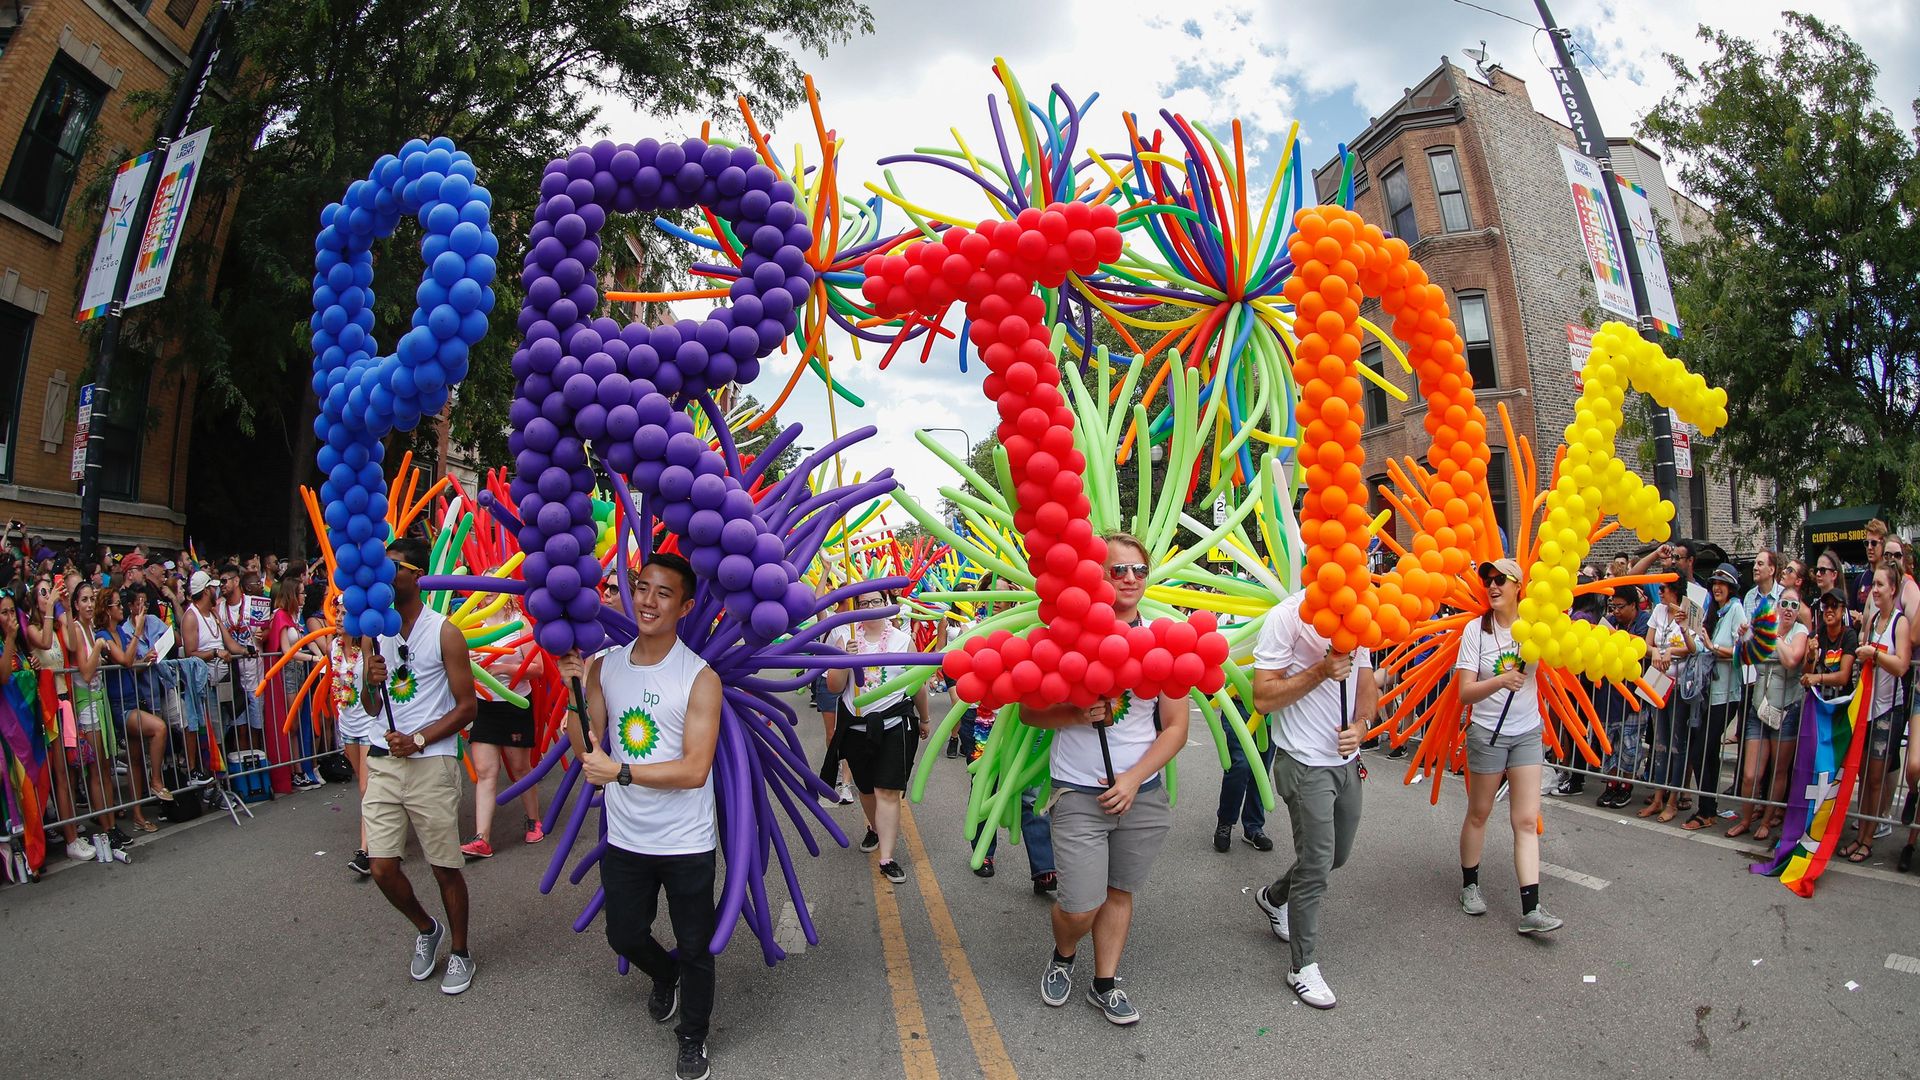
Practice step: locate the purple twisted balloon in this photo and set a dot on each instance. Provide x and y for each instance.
(581, 381)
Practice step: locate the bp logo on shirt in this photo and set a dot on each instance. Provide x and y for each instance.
(1508, 660)
(638, 735)
(403, 685)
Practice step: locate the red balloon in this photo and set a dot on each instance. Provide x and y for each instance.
(1114, 651)
(1074, 602)
(1187, 669)
(1026, 676)
(1203, 622)
(956, 664)
(987, 664)
(1157, 665)
(1053, 687)
(970, 687)
(1127, 674)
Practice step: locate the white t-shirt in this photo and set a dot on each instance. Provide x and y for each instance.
(647, 725)
(1309, 729)
(1076, 750)
(893, 640)
(417, 688)
(1487, 655)
(1669, 633)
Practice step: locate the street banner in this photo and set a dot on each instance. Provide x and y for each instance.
(1605, 256)
(166, 226)
(1653, 265)
(115, 227)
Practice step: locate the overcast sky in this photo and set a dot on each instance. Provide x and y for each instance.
(926, 68)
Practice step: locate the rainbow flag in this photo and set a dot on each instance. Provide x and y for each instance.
(1759, 648)
(1826, 765)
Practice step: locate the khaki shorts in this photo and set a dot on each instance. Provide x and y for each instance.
(423, 792)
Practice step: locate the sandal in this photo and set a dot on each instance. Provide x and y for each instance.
(1763, 834)
(1739, 829)
(1686, 802)
(1650, 809)
(1669, 814)
(145, 826)
(1857, 852)
(1697, 822)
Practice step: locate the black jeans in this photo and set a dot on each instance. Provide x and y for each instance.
(633, 884)
(1704, 757)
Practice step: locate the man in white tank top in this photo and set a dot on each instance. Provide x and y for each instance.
(419, 687)
(655, 761)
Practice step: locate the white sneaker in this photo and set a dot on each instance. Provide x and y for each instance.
(1311, 987)
(80, 851)
(845, 794)
(1276, 916)
(1882, 831)
(1471, 901)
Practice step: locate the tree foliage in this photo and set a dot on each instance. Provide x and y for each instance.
(328, 86)
(1802, 298)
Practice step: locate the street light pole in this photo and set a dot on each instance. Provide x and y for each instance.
(1593, 143)
(964, 437)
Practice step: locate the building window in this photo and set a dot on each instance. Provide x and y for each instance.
(1374, 401)
(16, 332)
(124, 428)
(1446, 188)
(1697, 495)
(48, 154)
(1400, 204)
(1497, 488)
(1477, 332)
(1377, 502)
(181, 11)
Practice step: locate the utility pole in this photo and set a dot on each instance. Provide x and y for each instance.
(206, 49)
(1593, 143)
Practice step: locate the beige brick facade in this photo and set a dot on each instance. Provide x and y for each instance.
(124, 47)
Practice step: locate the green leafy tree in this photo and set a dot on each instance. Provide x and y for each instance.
(1802, 299)
(326, 87)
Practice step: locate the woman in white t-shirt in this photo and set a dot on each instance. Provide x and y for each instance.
(877, 740)
(1503, 745)
(1777, 696)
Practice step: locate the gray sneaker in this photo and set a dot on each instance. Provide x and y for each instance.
(425, 948)
(1056, 982)
(1115, 1005)
(1471, 901)
(1539, 921)
(459, 974)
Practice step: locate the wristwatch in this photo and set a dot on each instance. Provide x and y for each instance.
(419, 740)
(626, 775)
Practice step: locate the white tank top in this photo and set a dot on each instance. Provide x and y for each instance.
(347, 674)
(417, 684)
(1076, 750)
(209, 632)
(646, 725)
(1886, 685)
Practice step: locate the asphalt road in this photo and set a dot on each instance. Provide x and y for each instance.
(250, 950)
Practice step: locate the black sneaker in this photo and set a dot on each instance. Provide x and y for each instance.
(662, 1004)
(691, 1063)
(1398, 751)
(359, 864)
(118, 839)
(1046, 883)
(1223, 838)
(1258, 840)
(953, 747)
(893, 872)
(986, 868)
(871, 841)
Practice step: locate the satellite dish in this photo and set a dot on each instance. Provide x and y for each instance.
(1479, 57)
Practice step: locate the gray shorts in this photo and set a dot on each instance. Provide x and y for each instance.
(1485, 757)
(1095, 851)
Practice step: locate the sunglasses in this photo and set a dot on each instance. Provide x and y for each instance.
(1496, 579)
(1825, 570)
(405, 565)
(406, 658)
(1122, 570)
(1789, 605)
(1892, 556)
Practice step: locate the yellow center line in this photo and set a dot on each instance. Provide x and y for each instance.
(916, 1048)
(988, 1049)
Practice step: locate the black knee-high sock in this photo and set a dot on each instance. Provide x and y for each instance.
(1470, 875)
(1529, 898)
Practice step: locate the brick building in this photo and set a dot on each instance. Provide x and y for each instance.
(67, 70)
(1470, 174)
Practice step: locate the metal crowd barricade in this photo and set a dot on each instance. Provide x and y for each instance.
(98, 771)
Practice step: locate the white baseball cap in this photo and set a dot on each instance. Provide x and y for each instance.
(201, 582)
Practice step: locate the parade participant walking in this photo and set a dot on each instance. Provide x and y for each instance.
(356, 729)
(1318, 703)
(503, 734)
(1240, 800)
(876, 741)
(1503, 746)
(655, 760)
(420, 683)
(1107, 827)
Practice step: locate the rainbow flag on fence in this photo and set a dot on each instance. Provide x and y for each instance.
(1826, 764)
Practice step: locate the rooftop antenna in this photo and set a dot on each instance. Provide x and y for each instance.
(1480, 61)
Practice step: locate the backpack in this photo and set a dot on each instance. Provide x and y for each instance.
(336, 769)
(1694, 674)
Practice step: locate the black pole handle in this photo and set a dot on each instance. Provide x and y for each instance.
(1106, 752)
(580, 708)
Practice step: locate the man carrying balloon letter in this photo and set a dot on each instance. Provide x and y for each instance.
(655, 760)
(1110, 812)
(1320, 702)
(421, 683)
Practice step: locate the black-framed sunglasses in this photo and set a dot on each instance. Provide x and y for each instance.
(1495, 578)
(406, 660)
(1121, 570)
(1825, 570)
